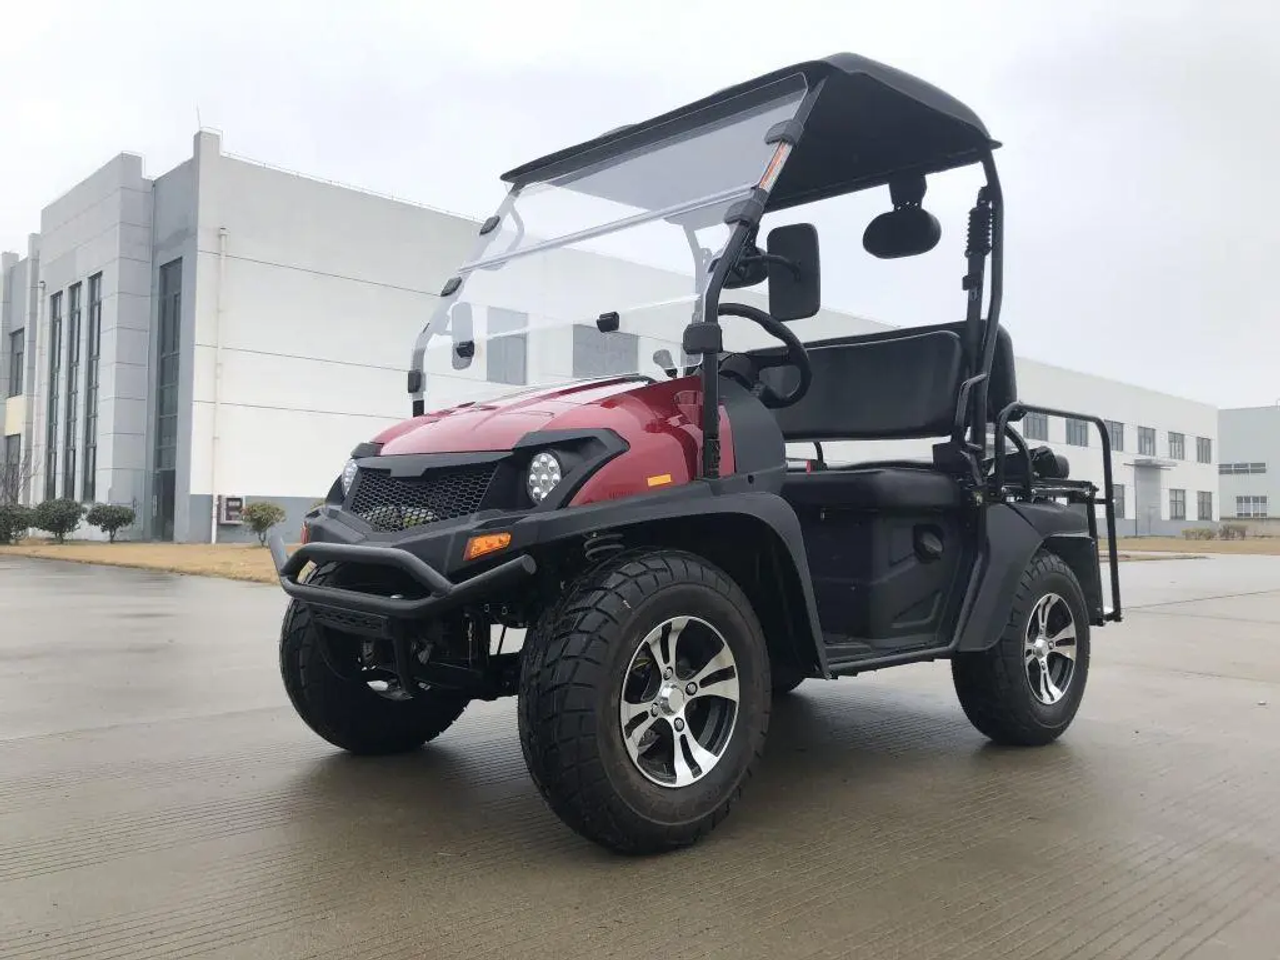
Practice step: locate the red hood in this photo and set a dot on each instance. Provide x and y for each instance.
(498, 424)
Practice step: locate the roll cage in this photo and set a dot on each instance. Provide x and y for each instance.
(860, 125)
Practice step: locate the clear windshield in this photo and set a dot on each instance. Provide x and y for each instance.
(629, 241)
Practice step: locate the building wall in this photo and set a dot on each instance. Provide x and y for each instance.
(1147, 506)
(300, 303)
(19, 304)
(307, 298)
(102, 227)
(1250, 435)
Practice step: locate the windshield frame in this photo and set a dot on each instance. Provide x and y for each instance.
(743, 217)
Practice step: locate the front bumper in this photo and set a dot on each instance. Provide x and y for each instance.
(376, 615)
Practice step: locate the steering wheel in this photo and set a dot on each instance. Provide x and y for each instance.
(746, 370)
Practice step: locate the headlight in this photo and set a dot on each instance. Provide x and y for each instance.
(544, 474)
(348, 476)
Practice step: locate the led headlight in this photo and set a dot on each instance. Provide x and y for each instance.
(348, 476)
(544, 474)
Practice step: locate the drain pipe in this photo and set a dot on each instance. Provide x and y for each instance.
(217, 382)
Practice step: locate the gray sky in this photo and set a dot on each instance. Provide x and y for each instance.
(1142, 210)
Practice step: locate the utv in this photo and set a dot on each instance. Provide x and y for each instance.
(671, 567)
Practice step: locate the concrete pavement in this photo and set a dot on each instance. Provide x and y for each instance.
(158, 798)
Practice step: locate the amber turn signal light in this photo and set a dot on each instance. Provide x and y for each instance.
(486, 543)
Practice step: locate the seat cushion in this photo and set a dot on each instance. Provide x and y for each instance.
(874, 488)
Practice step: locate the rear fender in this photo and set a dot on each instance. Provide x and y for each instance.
(1014, 534)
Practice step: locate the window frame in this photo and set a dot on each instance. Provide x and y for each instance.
(1077, 432)
(1204, 450)
(1146, 441)
(1204, 504)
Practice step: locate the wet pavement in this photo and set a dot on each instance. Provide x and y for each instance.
(158, 798)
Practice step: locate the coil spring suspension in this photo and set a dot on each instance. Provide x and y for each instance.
(978, 241)
(601, 545)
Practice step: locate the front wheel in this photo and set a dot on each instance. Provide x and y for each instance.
(321, 674)
(1026, 689)
(644, 701)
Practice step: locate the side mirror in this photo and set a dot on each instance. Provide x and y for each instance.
(662, 358)
(795, 287)
(462, 329)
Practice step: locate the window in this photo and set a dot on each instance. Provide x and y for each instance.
(1177, 446)
(93, 348)
(1242, 468)
(507, 353)
(1177, 504)
(1119, 498)
(11, 477)
(167, 369)
(17, 361)
(1078, 433)
(1146, 441)
(1251, 506)
(1204, 505)
(55, 374)
(1035, 426)
(1115, 430)
(73, 392)
(597, 354)
(1204, 450)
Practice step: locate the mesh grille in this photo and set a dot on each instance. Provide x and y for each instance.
(392, 503)
(350, 621)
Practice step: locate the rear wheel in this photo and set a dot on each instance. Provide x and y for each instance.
(1025, 690)
(644, 701)
(322, 675)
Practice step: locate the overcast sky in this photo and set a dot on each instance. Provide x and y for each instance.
(1141, 138)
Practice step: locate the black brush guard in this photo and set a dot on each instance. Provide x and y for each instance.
(1030, 486)
(391, 617)
(442, 593)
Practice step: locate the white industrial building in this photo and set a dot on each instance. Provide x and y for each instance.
(1249, 466)
(228, 329)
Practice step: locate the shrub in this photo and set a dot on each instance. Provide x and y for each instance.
(1199, 533)
(15, 519)
(1234, 531)
(58, 517)
(110, 518)
(262, 516)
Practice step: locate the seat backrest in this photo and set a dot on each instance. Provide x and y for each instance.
(898, 384)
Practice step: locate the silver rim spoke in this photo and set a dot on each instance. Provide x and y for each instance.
(1049, 649)
(684, 773)
(723, 674)
(679, 702)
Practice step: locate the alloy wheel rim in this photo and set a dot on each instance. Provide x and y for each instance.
(679, 702)
(1049, 653)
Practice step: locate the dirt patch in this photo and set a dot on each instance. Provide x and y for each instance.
(1255, 546)
(234, 561)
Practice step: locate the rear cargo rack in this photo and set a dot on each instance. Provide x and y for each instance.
(1078, 491)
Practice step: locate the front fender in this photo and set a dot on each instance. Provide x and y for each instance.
(754, 536)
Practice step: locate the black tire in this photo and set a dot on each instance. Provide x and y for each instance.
(786, 679)
(345, 710)
(995, 686)
(571, 688)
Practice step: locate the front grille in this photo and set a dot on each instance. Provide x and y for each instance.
(390, 503)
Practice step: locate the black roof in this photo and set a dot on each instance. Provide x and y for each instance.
(869, 122)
